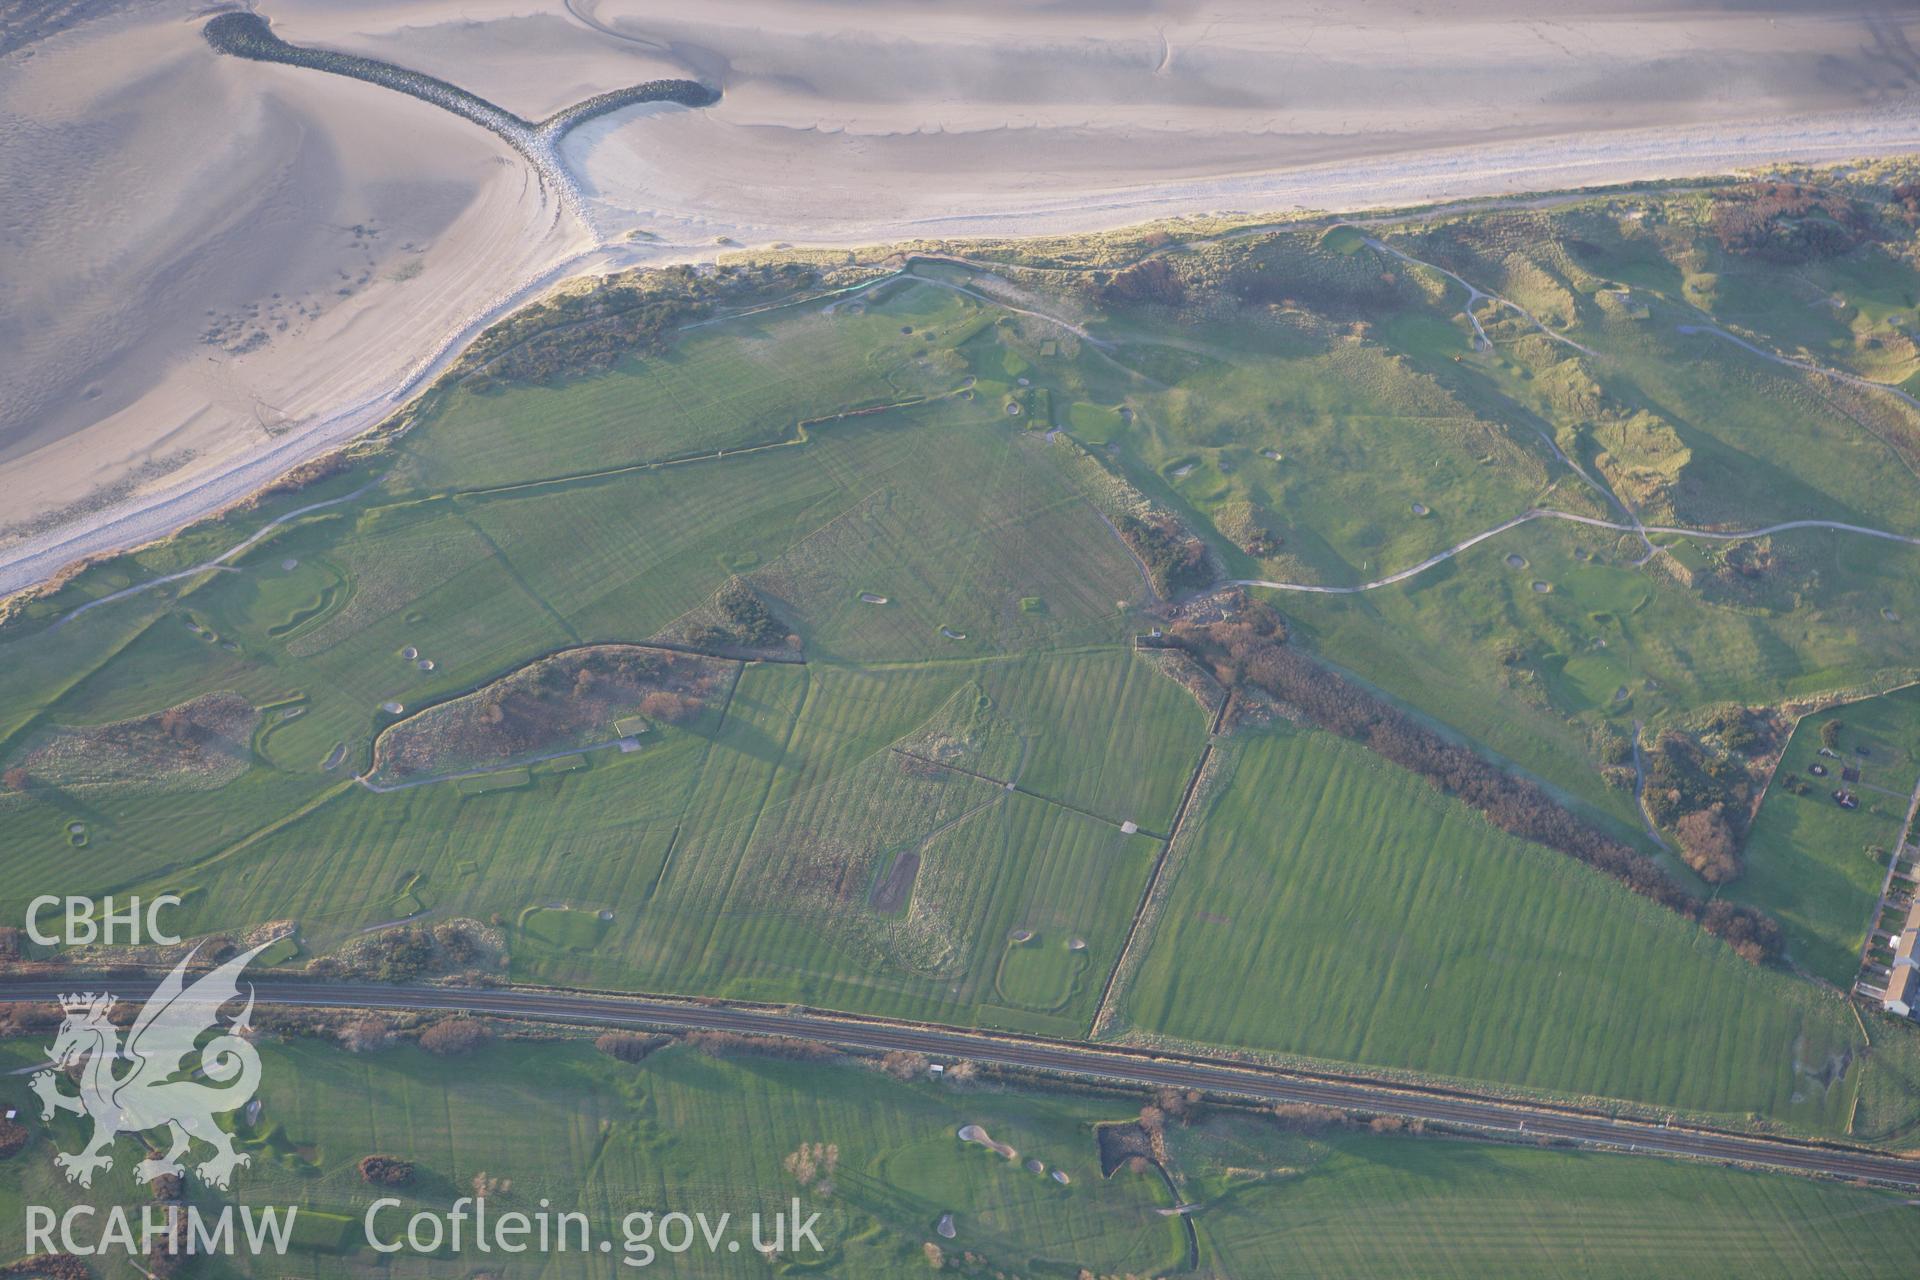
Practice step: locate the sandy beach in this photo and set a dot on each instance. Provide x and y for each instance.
(228, 265)
(220, 254)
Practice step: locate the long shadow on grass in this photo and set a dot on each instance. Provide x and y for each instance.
(742, 736)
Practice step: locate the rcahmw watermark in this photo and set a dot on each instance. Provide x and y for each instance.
(183, 1230)
(468, 1226)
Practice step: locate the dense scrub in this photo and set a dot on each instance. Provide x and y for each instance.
(1176, 560)
(744, 621)
(1787, 222)
(202, 743)
(386, 1171)
(552, 704)
(1699, 786)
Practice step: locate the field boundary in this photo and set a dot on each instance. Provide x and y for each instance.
(1100, 1010)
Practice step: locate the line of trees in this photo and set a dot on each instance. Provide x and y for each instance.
(1252, 649)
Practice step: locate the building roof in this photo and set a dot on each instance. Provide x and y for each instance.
(1903, 982)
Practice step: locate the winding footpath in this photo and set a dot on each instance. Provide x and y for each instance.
(1546, 513)
(1805, 366)
(219, 561)
(1476, 294)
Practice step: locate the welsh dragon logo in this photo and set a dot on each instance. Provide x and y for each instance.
(153, 1090)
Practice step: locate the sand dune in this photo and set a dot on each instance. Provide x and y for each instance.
(227, 264)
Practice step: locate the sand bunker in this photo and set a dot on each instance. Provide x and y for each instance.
(893, 892)
(974, 1133)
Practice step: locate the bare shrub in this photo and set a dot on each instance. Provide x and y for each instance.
(723, 1044)
(628, 1046)
(811, 1164)
(904, 1065)
(364, 1035)
(453, 1036)
(1707, 844)
(665, 704)
(1307, 1116)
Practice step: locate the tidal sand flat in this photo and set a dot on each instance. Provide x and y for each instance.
(219, 254)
